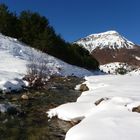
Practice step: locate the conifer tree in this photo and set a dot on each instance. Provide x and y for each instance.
(35, 30)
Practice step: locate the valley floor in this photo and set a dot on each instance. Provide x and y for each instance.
(109, 119)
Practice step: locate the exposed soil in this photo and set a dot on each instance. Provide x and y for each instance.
(107, 55)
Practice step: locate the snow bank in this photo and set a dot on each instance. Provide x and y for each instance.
(71, 111)
(109, 121)
(113, 118)
(138, 58)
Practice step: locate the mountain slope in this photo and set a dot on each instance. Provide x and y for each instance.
(110, 47)
(129, 56)
(15, 58)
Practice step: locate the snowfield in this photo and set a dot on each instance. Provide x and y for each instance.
(111, 119)
(16, 56)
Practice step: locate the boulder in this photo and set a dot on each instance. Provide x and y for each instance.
(136, 109)
(100, 100)
(24, 97)
(83, 87)
(9, 108)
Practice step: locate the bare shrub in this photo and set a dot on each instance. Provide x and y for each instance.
(37, 71)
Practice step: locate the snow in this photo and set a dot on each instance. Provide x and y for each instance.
(111, 68)
(16, 56)
(4, 107)
(12, 70)
(135, 72)
(113, 118)
(138, 58)
(109, 39)
(71, 111)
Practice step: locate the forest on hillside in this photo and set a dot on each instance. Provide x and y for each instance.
(36, 31)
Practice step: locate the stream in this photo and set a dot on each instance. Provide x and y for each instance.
(29, 121)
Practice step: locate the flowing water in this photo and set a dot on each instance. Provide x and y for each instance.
(31, 122)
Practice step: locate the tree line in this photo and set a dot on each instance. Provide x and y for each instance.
(36, 31)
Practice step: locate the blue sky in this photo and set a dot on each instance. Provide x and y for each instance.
(74, 19)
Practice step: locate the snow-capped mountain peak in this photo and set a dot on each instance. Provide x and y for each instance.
(109, 39)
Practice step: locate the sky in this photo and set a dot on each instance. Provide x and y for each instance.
(74, 19)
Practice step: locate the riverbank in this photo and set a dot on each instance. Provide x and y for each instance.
(29, 120)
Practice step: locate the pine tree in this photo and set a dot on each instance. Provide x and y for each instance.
(35, 30)
(8, 22)
(32, 26)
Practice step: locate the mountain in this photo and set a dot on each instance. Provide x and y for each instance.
(110, 46)
(109, 39)
(16, 58)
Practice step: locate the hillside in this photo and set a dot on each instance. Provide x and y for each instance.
(111, 47)
(17, 57)
(36, 31)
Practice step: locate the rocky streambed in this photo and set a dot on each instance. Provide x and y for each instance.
(26, 117)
